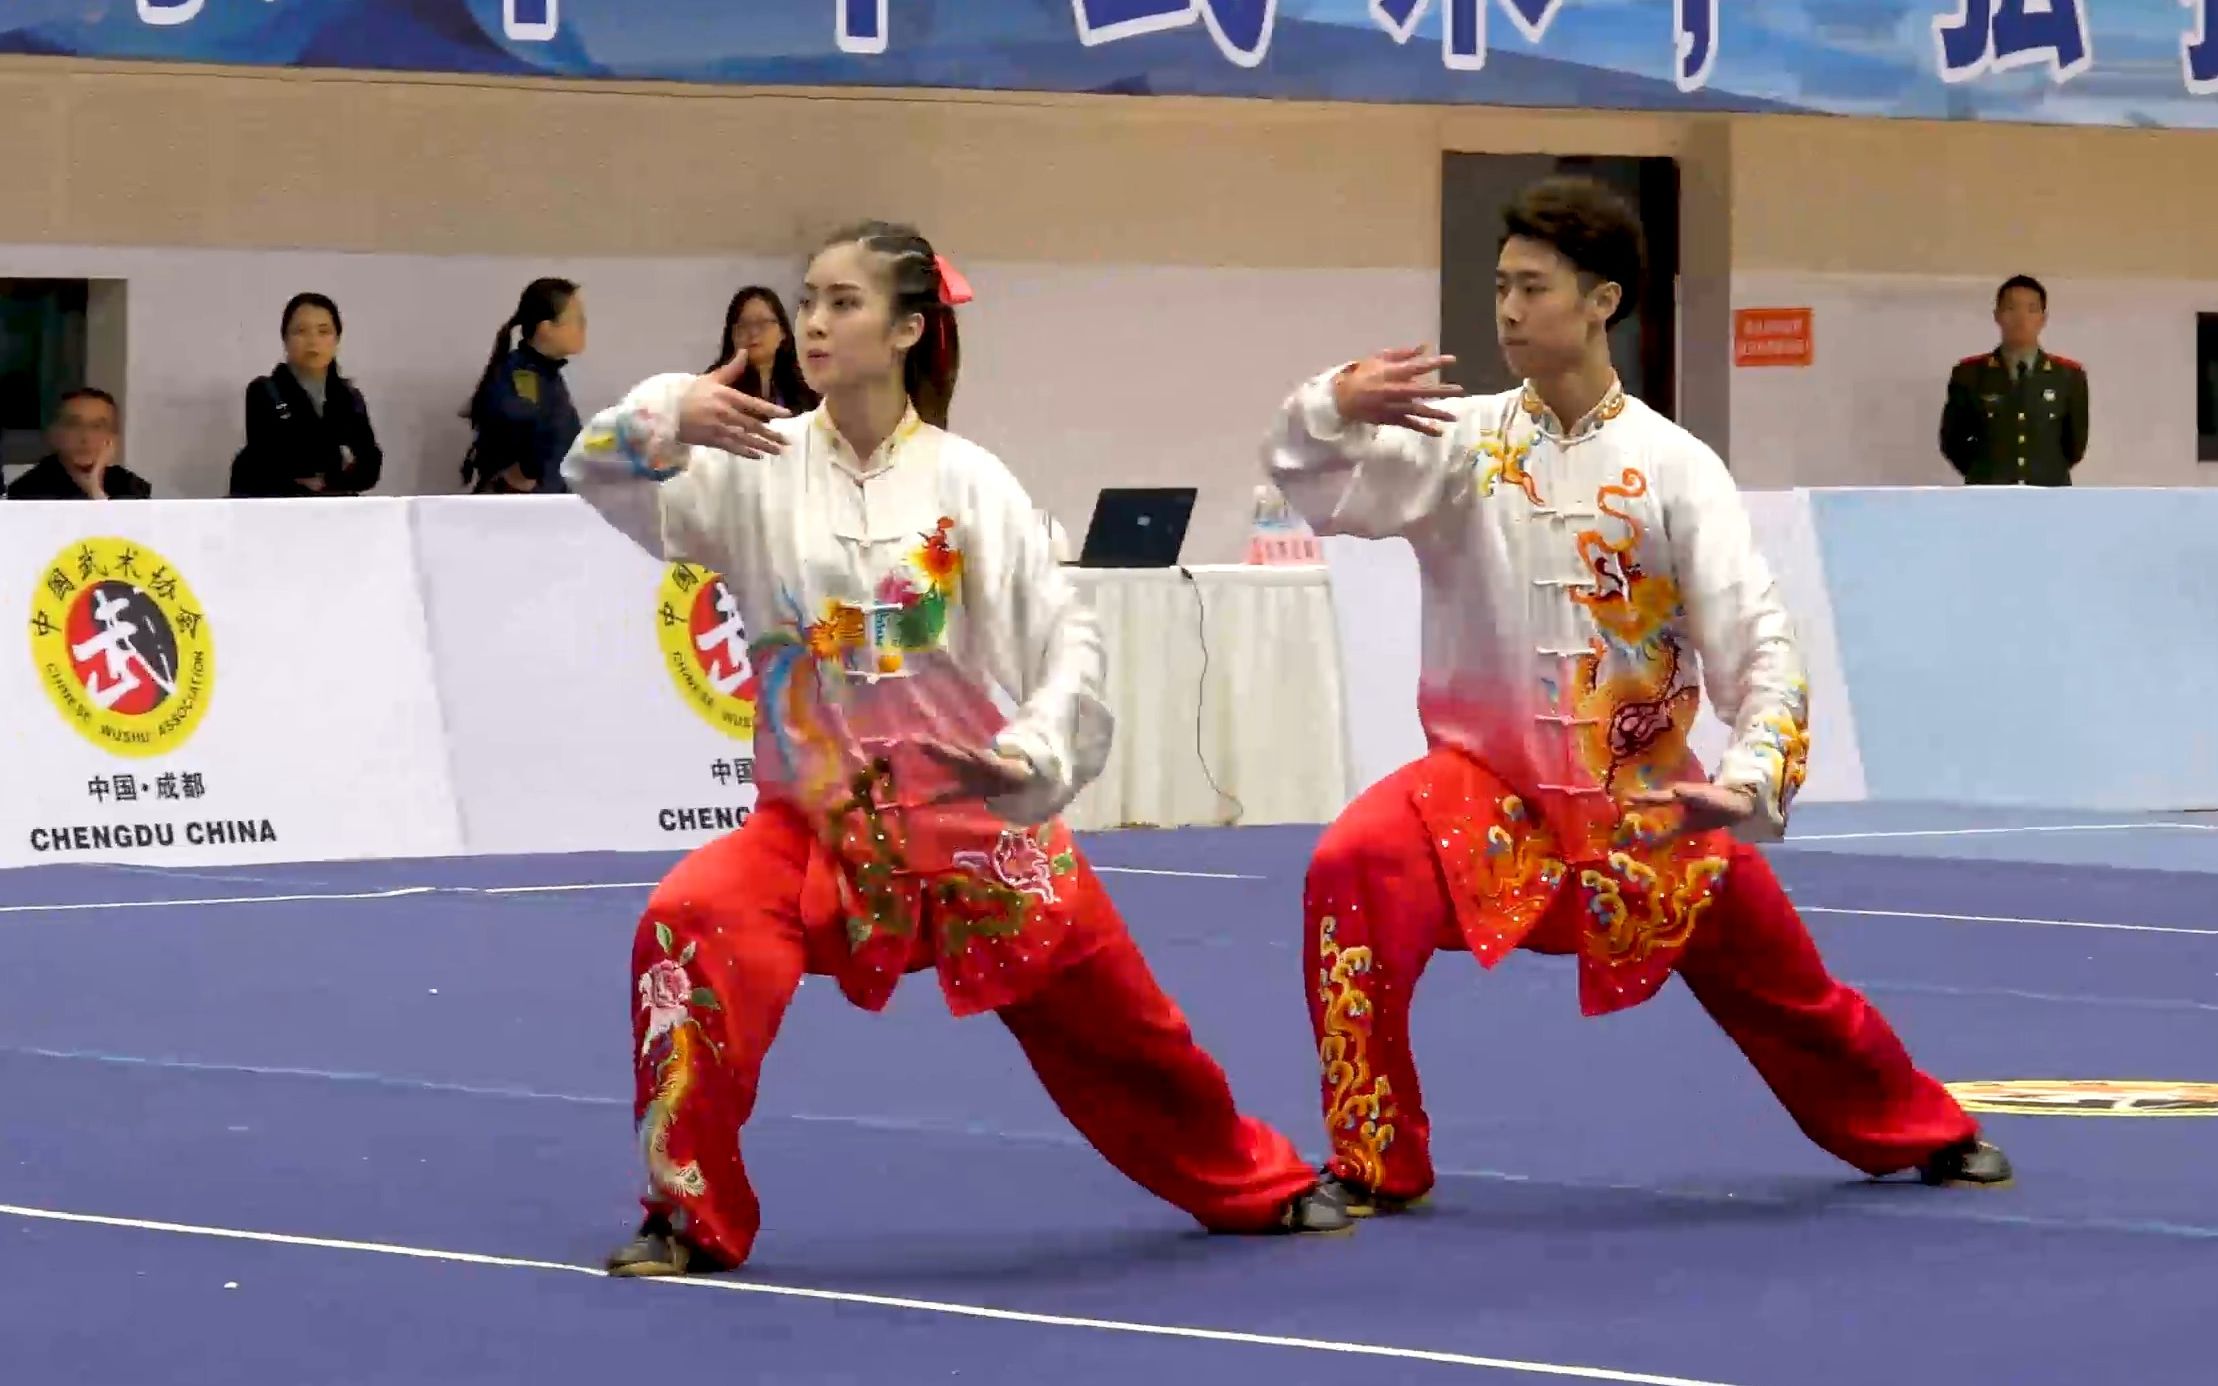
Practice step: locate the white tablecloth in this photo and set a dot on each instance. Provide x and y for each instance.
(1231, 674)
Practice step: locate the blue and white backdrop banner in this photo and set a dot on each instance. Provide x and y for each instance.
(2090, 62)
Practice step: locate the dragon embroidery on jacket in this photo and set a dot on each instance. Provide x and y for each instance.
(1636, 714)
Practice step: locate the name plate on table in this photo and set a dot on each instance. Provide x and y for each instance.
(1284, 548)
(1276, 535)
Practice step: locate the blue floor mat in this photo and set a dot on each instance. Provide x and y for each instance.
(445, 1070)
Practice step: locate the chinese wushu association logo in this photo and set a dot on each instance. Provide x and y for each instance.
(121, 646)
(704, 645)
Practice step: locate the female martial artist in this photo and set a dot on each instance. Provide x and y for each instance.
(928, 701)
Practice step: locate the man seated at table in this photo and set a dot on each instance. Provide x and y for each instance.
(82, 466)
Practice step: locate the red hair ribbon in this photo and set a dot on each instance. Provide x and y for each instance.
(954, 289)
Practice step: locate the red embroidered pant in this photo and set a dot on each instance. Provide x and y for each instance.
(1376, 908)
(721, 950)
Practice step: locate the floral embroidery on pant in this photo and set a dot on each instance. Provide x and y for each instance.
(1360, 1112)
(672, 1048)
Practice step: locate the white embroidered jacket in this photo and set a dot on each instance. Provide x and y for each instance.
(1579, 585)
(927, 552)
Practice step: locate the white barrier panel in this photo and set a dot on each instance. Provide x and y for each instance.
(1786, 533)
(217, 682)
(1376, 598)
(595, 698)
(207, 682)
(1376, 603)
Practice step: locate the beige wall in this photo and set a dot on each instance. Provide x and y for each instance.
(155, 155)
(1950, 198)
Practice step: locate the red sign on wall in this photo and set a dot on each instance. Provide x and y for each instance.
(1773, 337)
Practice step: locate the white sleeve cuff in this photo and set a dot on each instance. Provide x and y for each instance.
(636, 438)
(1320, 417)
(1050, 789)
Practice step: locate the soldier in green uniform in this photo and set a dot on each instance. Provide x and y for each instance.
(2016, 416)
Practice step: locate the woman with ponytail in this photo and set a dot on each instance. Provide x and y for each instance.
(899, 594)
(521, 409)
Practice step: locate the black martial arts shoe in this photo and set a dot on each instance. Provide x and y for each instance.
(1361, 1202)
(1968, 1164)
(658, 1250)
(1316, 1210)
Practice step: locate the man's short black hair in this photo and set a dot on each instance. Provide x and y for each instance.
(2022, 281)
(89, 392)
(1589, 225)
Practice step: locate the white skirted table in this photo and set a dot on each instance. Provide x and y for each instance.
(1225, 682)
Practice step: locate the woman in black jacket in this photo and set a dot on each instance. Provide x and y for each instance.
(521, 409)
(755, 322)
(307, 428)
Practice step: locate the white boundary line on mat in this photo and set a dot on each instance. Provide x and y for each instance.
(400, 892)
(2011, 919)
(969, 1311)
(1794, 838)
(1098, 871)
(1181, 875)
(80, 905)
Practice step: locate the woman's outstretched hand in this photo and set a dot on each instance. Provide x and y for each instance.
(715, 415)
(972, 775)
(980, 775)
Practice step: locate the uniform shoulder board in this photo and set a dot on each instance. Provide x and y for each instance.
(1977, 358)
(2067, 363)
(526, 382)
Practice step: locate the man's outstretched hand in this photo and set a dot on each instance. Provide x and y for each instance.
(1390, 390)
(1707, 805)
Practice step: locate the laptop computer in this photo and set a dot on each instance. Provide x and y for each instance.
(1138, 527)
